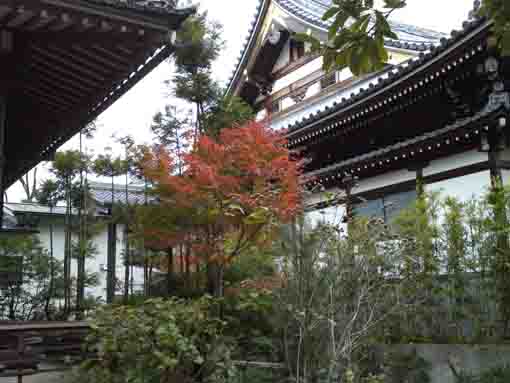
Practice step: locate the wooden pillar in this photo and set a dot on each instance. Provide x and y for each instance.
(6, 67)
(3, 127)
(420, 181)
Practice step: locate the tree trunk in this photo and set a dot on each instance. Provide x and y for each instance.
(52, 273)
(127, 255)
(80, 279)
(111, 266)
(126, 266)
(215, 279)
(149, 284)
(145, 277)
(112, 250)
(188, 265)
(170, 271)
(67, 254)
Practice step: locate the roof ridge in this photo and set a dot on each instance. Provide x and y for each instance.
(155, 6)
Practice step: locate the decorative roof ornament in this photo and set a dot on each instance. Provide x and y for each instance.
(274, 36)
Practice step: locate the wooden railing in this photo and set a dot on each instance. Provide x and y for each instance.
(27, 346)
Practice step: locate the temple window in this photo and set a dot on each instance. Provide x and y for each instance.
(387, 207)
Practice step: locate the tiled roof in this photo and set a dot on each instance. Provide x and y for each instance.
(150, 6)
(409, 37)
(249, 42)
(17, 208)
(102, 193)
(470, 124)
(475, 24)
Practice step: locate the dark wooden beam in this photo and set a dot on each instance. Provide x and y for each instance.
(99, 58)
(3, 129)
(40, 22)
(65, 72)
(38, 100)
(80, 68)
(19, 17)
(54, 90)
(39, 70)
(50, 97)
(60, 86)
(107, 52)
(79, 59)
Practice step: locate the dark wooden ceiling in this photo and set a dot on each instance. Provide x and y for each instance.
(70, 60)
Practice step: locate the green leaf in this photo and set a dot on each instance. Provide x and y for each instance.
(330, 13)
(315, 43)
(505, 43)
(337, 25)
(394, 4)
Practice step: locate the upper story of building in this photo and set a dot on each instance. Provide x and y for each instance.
(278, 74)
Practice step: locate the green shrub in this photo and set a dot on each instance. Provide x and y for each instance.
(159, 341)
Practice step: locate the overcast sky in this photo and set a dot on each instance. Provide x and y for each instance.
(132, 114)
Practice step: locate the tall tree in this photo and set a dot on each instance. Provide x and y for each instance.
(66, 167)
(127, 211)
(83, 213)
(49, 194)
(231, 194)
(193, 82)
(106, 165)
(28, 276)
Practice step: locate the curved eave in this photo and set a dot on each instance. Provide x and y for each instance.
(364, 96)
(460, 132)
(152, 17)
(250, 45)
(115, 93)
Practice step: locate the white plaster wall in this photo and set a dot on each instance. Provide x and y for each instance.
(93, 265)
(287, 102)
(506, 176)
(390, 178)
(454, 162)
(464, 188)
(332, 215)
(298, 74)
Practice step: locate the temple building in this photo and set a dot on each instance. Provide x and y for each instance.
(437, 113)
(64, 62)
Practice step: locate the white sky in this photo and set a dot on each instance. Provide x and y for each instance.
(132, 114)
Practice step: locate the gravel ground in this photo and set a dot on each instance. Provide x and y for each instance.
(52, 377)
(40, 378)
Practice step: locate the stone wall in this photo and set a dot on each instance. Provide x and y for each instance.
(465, 358)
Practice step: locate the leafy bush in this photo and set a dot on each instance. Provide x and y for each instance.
(159, 341)
(495, 375)
(250, 322)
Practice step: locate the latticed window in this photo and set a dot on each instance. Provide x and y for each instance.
(328, 80)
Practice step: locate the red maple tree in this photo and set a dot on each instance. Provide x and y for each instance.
(234, 190)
